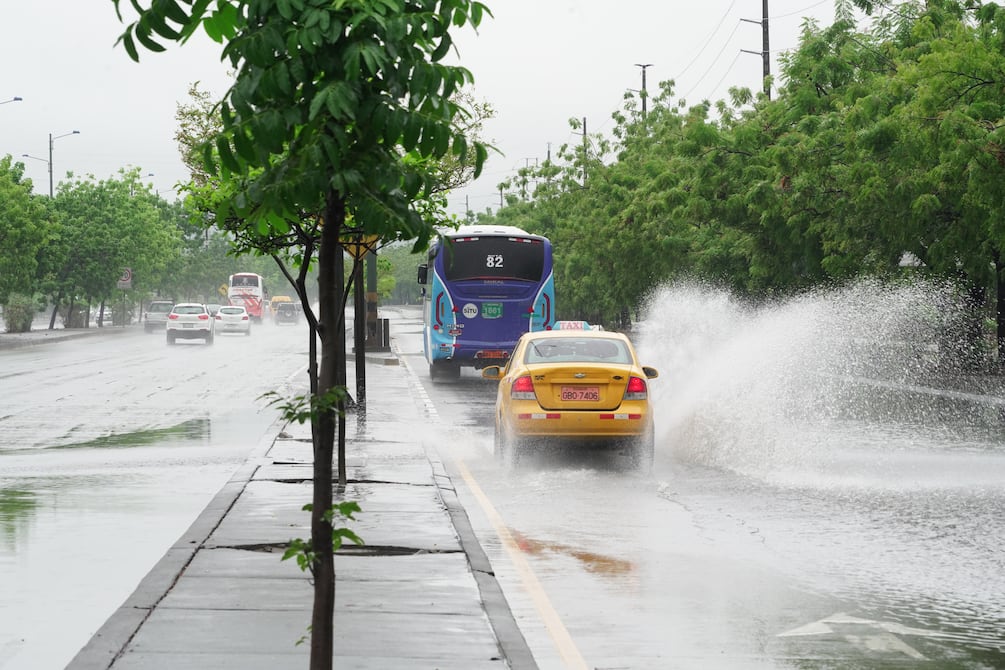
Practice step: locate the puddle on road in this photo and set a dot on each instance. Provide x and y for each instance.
(193, 430)
(593, 562)
(14, 503)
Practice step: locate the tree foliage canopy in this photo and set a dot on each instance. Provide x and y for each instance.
(880, 142)
(356, 86)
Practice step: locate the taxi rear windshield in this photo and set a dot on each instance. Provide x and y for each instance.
(493, 258)
(572, 349)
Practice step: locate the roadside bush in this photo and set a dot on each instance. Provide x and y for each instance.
(18, 313)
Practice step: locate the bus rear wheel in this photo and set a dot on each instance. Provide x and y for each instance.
(444, 370)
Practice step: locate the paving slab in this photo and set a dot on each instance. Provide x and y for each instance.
(419, 594)
(430, 636)
(445, 594)
(211, 661)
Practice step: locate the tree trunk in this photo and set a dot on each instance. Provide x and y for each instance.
(340, 379)
(976, 300)
(330, 290)
(55, 309)
(359, 338)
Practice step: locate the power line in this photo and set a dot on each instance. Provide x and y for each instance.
(800, 11)
(709, 40)
(714, 61)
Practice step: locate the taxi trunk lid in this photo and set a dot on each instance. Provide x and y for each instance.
(581, 386)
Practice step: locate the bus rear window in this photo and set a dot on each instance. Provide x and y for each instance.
(493, 258)
(244, 280)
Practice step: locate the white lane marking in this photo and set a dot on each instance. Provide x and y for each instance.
(872, 635)
(552, 621)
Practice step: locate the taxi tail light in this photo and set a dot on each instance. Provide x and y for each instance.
(636, 389)
(172, 316)
(523, 389)
(204, 317)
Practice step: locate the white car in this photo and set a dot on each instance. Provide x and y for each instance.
(189, 320)
(155, 316)
(233, 319)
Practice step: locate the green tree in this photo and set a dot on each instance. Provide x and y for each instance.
(880, 142)
(335, 109)
(105, 226)
(402, 266)
(25, 231)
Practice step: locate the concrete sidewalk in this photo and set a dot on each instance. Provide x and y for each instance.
(42, 335)
(419, 594)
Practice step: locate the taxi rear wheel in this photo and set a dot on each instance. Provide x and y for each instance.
(643, 451)
(508, 448)
(497, 442)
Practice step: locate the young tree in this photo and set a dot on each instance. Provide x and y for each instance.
(335, 109)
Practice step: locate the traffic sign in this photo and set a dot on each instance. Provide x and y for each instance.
(126, 280)
(359, 245)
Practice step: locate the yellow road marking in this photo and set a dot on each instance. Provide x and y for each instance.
(552, 622)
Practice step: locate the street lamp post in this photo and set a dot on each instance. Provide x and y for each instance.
(48, 164)
(14, 99)
(51, 140)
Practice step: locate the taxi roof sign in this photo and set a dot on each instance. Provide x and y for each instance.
(575, 325)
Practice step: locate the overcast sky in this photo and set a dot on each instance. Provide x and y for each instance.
(537, 62)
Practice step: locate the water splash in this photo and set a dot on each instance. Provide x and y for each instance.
(798, 385)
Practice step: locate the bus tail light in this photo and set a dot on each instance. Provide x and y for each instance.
(439, 309)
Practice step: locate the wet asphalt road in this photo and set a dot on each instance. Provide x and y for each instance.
(110, 446)
(834, 539)
(868, 535)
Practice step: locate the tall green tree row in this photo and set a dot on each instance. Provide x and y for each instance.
(880, 141)
(26, 230)
(70, 250)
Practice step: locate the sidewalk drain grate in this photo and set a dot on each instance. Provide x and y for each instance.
(346, 550)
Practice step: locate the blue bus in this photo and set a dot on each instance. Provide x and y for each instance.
(483, 287)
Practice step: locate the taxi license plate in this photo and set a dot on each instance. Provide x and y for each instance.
(581, 393)
(187, 325)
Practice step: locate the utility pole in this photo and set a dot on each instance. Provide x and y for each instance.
(643, 66)
(585, 151)
(765, 51)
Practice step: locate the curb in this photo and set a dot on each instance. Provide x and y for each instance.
(512, 643)
(111, 640)
(39, 337)
(510, 638)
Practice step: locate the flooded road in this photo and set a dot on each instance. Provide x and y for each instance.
(827, 493)
(110, 446)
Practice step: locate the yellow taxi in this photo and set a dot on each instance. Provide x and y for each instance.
(276, 302)
(582, 387)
